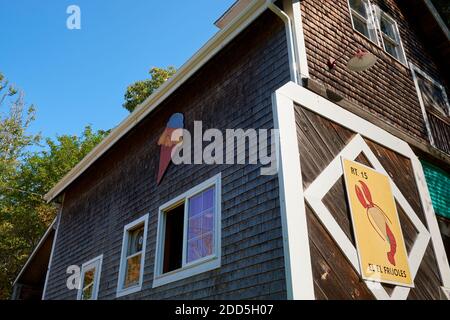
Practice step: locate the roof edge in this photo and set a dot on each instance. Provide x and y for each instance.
(35, 250)
(438, 18)
(203, 55)
(231, 13)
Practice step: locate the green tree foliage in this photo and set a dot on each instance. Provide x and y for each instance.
(140, 90)
(15, 119)
(25, 177)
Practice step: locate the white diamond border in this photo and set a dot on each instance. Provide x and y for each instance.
(299, 278)
(326, 180)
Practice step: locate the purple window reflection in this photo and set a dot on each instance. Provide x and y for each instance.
(207, 244)
(208, 199)
(195, 227)
(201, 225)
(195, 205)
(208, 221)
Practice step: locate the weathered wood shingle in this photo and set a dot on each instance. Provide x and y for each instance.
(233, 90)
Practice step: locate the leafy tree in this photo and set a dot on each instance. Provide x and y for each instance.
(25, 176)
(140, 90)
(15, 119)
(25, 216)
(14, 123)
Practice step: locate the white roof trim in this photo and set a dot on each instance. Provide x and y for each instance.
(213, 46)
(438, 18)
(231, 13)
(36, 249)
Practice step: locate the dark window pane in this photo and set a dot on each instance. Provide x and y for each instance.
(173, 241)
(361, 27)
(135, 241)
(388, 28)
(391, 49)
(359, 6)
(432, 95)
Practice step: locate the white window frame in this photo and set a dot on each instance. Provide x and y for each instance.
(384, 37)
(89, 265)
(121, 291)
(415, 70)
(370, 21)
(203, 264)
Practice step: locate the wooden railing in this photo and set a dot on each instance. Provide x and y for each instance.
(440, 130)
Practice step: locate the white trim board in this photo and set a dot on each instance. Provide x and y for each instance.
(95, 263)
(36, 249)
(199, 266)
(297, 257)
(121, 291)
(292, 191)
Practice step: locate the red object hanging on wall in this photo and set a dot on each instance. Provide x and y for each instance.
(167, 143)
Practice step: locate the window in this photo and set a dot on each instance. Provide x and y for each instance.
(90, 279)
(362, 19)
(133, 256)
(435, 109)
(433, 94)
(391, 37)
(188, 240)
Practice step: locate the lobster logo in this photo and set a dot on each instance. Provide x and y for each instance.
(378, 219)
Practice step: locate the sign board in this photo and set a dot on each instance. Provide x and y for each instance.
(376, 225)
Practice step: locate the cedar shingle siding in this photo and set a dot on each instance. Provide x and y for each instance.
(387, 89)
(232, 91)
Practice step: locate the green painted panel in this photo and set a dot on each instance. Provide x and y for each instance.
(439, 186)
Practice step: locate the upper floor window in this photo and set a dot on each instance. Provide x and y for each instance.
(433, 94)
(188, 240)
(435, 109)
(90, 279)
(362, 19)
(391, 37)
(133, 256)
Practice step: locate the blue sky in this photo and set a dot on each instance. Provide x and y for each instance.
(78, 77)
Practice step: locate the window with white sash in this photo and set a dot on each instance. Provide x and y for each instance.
(362, 19)
(392, 42)
(90, 279)
(188, 240)
(133, 256)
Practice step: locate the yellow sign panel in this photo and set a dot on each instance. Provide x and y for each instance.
(376, 225)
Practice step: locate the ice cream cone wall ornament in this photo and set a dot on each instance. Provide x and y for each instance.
(167, 141)
(380, 222)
